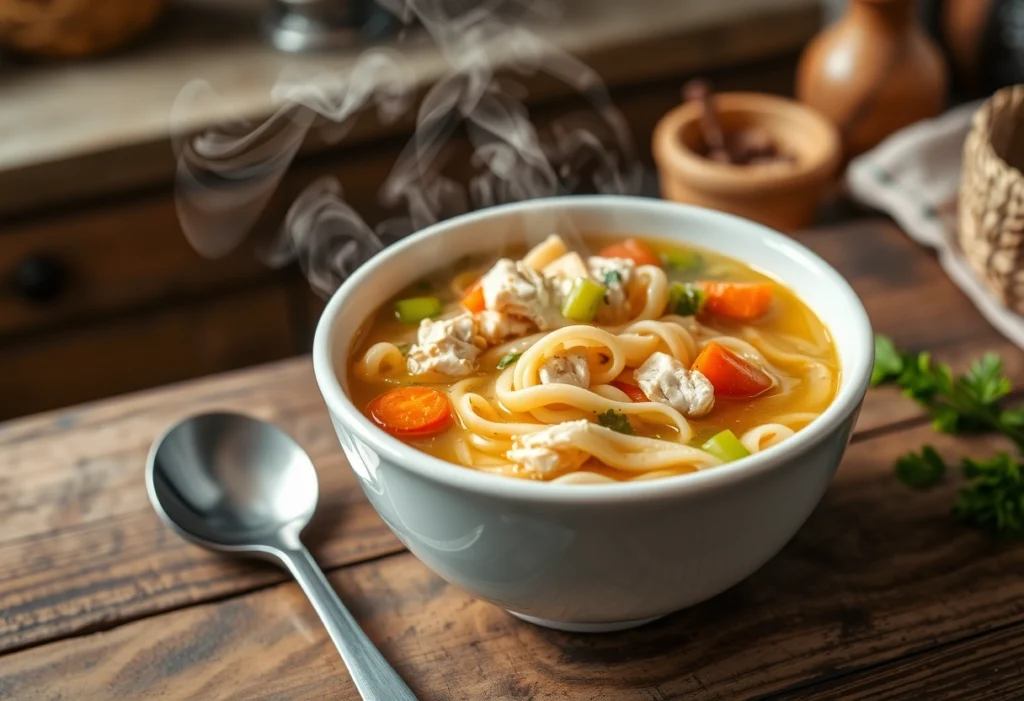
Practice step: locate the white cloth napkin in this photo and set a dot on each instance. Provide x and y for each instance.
(914, 177)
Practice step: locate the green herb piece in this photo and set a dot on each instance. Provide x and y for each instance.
(956, 404)
(616, 421)
(583, 300)
(994, 498)
(612, 277)
(888, 361)
(404, 348)
(507, 360)
(413, 310)
(683, 261)
(726, 446)
(423, 285)
(686, 299)
(921, 470)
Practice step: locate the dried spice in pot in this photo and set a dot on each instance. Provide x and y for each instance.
(749, 146)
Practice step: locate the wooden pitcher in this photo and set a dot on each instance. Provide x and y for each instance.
(872, 73)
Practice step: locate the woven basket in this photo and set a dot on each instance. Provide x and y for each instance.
(73, 28)
(991, 211)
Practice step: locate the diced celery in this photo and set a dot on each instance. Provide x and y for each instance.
(685, 299)
(415, 309)
(583, 300)
(682, 260)
(725, 446)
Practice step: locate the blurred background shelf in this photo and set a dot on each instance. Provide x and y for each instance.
(86, 172)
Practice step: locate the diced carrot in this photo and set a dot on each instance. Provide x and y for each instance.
(633, 250)
(634, 393)
(411, 412)
(731, 375)
(744, 301)
(473, 299)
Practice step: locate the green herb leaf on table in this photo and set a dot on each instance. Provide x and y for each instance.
(956, 404)
(507, 360)
(888, 361)
(616, 421)
(994, 499)
(921, 470)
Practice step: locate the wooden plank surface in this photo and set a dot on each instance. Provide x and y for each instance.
(876, 573)
(100, 601)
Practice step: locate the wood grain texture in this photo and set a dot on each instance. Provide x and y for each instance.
(877, 573)
(878, 577)
(127, 354)
(116, 257)
(982, 668)
(71, 482)
(81, 548)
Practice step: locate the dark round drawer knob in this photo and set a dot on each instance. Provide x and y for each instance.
(40, 278)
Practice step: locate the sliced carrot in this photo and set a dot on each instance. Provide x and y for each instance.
(411, 412)
(731, 375)
(744, 301)
(633, 250)
(473, 299)
(634, 393)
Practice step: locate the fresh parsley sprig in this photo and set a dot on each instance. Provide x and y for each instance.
(993, 499)
(964, 404)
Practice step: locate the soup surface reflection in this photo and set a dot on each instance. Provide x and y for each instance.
(641, 361)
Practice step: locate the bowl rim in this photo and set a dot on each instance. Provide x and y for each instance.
(708, 176)
(405, 457)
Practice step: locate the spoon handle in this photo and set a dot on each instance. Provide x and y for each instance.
(374, 678)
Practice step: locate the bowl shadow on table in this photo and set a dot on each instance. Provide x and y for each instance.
(837, 597)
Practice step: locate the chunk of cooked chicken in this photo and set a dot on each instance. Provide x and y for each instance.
(553, 450)
(615, 274)
(445, 346)
(664, 379)
(496, 327)
(514, 288)
(567, 368)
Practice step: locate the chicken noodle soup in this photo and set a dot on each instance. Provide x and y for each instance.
(643, 361)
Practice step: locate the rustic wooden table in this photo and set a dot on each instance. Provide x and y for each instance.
(880, 595)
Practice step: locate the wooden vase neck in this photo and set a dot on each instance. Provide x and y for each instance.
(884, 15)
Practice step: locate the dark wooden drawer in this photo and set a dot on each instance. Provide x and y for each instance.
(102, 260)
(65, 367)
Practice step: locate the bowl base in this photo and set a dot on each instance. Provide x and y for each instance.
(570, 627)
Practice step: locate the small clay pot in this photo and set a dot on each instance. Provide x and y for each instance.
(782, 195)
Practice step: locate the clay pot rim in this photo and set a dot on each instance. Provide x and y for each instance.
(819, 163)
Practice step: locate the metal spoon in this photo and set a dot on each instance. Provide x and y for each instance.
(233, 483)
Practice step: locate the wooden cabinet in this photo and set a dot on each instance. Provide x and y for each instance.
(144, 349)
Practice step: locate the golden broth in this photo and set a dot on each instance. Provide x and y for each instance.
(790, 327)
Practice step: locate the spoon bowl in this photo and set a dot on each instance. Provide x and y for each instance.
(228, 481)
(236, 484)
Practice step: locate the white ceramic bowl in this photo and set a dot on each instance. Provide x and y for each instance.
(595, 557)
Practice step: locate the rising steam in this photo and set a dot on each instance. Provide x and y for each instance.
(226, 176)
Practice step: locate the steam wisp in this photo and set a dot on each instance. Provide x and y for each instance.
(226, 175)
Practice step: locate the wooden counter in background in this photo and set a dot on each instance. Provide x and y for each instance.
(90, 190)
